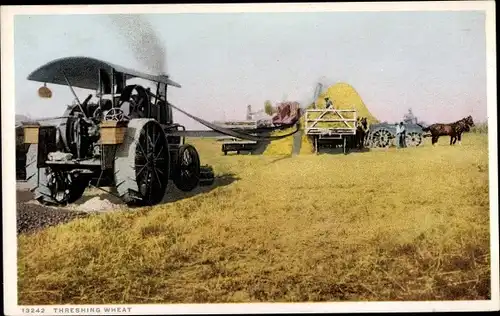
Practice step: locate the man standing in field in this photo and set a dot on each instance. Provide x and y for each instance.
(398, 135)
(404, 134)
(401, 134)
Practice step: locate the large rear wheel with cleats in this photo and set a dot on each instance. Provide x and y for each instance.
(142, 163)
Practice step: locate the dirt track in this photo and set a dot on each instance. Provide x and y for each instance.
(32, 216)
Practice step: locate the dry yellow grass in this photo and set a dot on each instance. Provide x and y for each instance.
(284, 146)
(411, 224)
(307, 147)
(281, 146)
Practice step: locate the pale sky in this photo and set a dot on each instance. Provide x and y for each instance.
(433, 62)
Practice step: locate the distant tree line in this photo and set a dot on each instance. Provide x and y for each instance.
(480, 128)
(269, 108)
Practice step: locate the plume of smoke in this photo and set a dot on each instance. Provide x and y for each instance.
(326, 81)
(141, 38)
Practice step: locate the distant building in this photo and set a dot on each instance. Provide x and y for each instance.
(249, 112)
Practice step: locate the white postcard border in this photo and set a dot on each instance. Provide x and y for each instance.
(8, 159)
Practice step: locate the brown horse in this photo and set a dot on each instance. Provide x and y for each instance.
(454, 130)
(462, 126)
(361, 132)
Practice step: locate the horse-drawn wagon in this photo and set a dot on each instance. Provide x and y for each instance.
(382, 135)
(124, 137)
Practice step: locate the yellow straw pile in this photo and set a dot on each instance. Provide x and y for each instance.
(343, 96)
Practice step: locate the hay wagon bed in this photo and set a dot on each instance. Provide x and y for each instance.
(331, 127)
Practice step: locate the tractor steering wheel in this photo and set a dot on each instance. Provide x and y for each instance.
(115, 114)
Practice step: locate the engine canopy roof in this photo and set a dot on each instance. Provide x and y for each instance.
(83, 72)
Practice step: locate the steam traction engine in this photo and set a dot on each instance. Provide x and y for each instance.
(122, 137)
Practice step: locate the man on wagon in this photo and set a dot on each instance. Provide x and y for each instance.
(329, 103)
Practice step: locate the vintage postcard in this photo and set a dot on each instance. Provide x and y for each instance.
(256, 158)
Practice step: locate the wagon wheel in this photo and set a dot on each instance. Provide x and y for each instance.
(142, 163)
(381, 138)
(187, 168)
(414, 139)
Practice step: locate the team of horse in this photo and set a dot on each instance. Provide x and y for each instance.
(454, 130)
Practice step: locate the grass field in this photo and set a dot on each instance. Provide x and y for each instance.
(409, 224)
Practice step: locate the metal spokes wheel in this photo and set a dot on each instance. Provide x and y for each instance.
(151, 163)
(187, 169)
(142, 163)
(414, 139)
(381, 138)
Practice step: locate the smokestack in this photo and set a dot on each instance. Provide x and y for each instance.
(249, 112)
(163, 92)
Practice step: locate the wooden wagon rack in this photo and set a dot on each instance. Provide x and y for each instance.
(331, 126)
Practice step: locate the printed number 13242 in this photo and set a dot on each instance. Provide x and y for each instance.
(32, 310)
